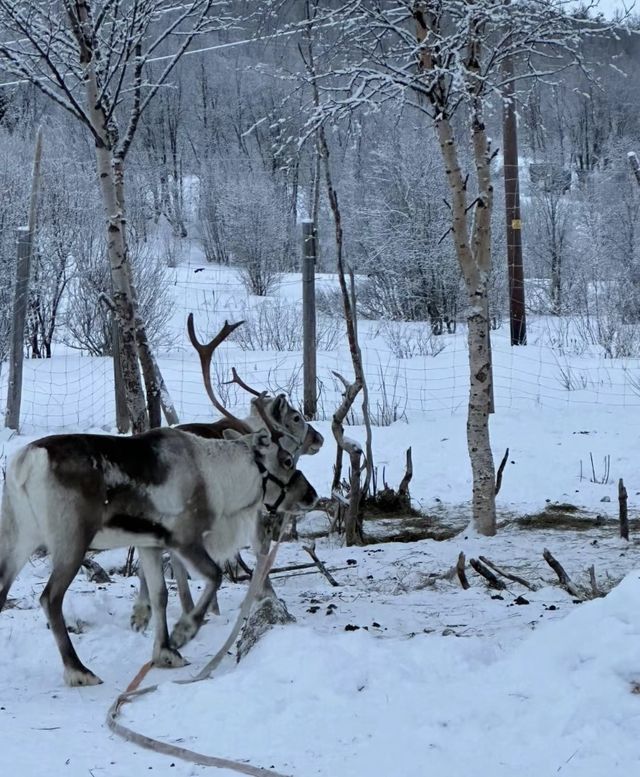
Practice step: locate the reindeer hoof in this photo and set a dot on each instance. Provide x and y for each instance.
(168, 658)
(80, 677)
(140, 616)
(184, 631)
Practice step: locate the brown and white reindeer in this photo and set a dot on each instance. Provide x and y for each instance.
(166, 488)
(299, 438)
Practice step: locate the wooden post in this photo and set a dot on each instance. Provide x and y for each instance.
(309, 318)
(512, 202)
(624, 517)
(20, 297)
(24, 240)
(353, 522)
(123, 422)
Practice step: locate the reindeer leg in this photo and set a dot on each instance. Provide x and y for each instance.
(64, 569)
(262, 542)
(164, 655)
(182, 581)
(141, 614)
(189, 623)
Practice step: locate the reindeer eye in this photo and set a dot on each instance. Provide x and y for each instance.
(296, 418)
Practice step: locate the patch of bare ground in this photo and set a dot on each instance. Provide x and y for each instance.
(568, 517)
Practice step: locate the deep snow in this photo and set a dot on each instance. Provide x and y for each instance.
(436, 679)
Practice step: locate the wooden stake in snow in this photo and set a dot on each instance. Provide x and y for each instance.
(462, 575)
(594, 584)
(311, 550)
(508, 575)
(563, 577)
(488, 575)
(624, 517)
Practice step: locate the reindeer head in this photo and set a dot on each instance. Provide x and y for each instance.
(276, 448)
(300, 436)
(284, 488)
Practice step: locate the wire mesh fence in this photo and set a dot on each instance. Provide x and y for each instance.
(75, 391)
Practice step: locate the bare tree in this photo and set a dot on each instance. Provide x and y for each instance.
(92, 57)
(445, 60)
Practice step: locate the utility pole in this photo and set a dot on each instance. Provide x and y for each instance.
(309, 317)
(517, 314)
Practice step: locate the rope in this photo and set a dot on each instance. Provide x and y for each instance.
(134, 691)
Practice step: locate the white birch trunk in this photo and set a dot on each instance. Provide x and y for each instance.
(475, 265)
(116, 243)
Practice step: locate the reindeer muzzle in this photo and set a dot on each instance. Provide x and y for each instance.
(313, 441)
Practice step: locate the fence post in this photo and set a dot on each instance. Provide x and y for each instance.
(20, 298)
(123, 422)
(309, 318)
(24, 240)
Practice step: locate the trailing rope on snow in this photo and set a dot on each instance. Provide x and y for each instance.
(134, 691)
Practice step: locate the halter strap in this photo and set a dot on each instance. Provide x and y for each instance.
(269, 476)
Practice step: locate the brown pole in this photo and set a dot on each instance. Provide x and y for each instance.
(309, 248)
(517, 314)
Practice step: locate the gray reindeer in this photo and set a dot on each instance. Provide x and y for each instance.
(166, 488)
(299, 437)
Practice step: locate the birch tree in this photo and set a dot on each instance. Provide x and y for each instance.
(92, 58)
(445, 60)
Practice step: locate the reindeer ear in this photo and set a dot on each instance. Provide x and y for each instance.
(278, 407)
(231, 434)
(261, 440)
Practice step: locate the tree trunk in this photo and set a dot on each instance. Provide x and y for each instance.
(122, 299)
(482, 466)
(105, 138)
(474, 264)
(150, 369)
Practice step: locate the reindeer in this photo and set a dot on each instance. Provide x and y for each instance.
(299, 438)
(162, 489)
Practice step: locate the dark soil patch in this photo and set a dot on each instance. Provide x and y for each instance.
(408, 528)
(567, 517)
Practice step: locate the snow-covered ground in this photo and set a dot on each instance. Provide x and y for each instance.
(397, 671)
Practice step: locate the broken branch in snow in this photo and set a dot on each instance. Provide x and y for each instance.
(501, 470)
(597, 593)
(403, 488)
(311, 550)
(508, 575)
(563, 577)
(488, 575)
(95, 573)
(462, 575)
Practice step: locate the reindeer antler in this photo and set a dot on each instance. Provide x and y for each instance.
(237, 379)
(276, 434)
(205, 352)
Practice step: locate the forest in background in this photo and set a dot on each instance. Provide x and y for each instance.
(224, 158)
